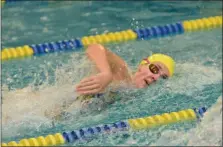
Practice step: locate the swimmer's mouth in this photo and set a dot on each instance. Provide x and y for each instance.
(147, 82)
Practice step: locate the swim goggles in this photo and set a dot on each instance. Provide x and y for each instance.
(152, 67)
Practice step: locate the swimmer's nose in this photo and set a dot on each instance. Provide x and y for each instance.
(155, 77)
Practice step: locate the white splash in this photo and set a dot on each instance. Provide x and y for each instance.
(21, 104)
(207, 133)
(191, 77)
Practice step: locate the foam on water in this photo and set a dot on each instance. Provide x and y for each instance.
(207, 133)
(192, 77)
(26, 107)
(196, 82)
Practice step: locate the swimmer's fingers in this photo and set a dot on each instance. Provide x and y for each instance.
(89, 87)
(86, 83)
(88, 79)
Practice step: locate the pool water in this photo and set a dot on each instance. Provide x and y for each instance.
(34, 84)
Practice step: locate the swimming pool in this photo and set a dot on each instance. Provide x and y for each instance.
(197, 82)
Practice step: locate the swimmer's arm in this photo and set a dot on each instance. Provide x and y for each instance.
(96, 83)
(118, 66)
(107, 61)
(97, 54)
(110, 67)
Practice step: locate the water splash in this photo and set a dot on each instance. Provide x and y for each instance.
(207, 133)
(190, 77)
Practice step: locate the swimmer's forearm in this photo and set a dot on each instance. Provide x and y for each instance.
(97, 53)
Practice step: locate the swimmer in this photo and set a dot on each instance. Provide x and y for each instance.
(113, 69)
(113, 74)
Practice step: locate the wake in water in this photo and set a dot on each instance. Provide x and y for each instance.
(207, 133)
(29, 106)
(47, 100)
(20, 103)
(192, 77)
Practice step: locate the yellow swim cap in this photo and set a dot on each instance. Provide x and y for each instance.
(164, 59)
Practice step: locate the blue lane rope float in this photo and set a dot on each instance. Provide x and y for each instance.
(73, 44)
(130, 124)
(159, 31)
(122, 36)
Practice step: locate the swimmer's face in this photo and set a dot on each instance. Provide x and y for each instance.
(149, 73)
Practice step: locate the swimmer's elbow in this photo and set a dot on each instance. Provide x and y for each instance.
(95, 49)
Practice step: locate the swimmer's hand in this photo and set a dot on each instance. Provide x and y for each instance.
(94, 84)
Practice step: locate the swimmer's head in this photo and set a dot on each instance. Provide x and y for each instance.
(152, 68)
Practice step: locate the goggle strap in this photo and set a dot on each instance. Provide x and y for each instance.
(147, 61)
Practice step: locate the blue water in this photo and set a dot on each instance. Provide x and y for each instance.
(49, 79)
